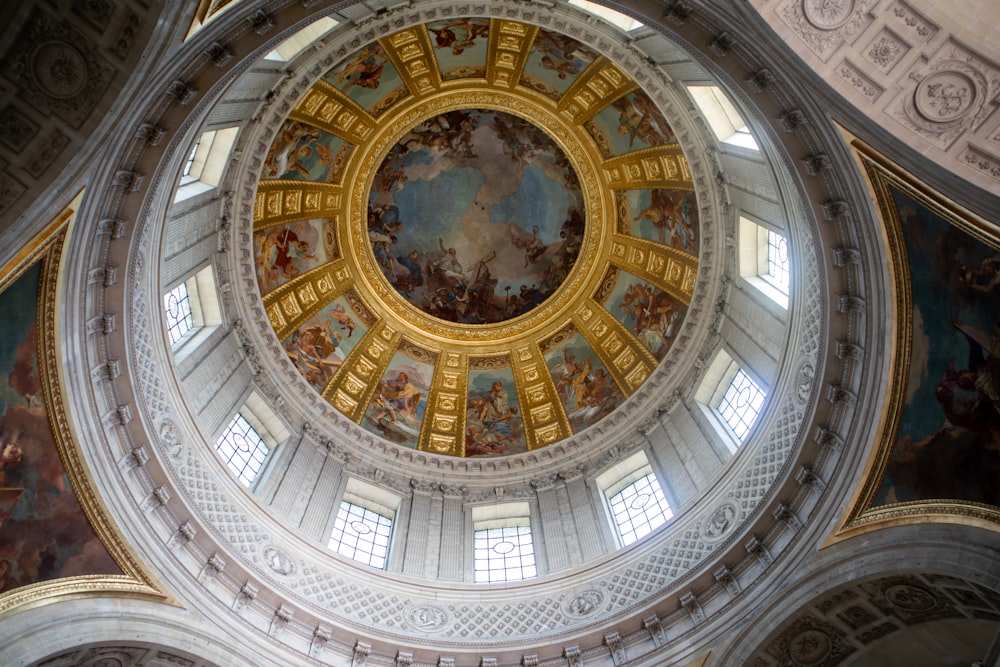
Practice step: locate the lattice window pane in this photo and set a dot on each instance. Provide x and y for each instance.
(504, 554)
(741, 404)
(243, 450)
(777, 262)
(639, 509)
(361, 534)
(177, 307)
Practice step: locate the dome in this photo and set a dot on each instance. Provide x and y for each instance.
(389, 192)
(497, 264)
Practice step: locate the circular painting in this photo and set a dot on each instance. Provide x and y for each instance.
(475, 216)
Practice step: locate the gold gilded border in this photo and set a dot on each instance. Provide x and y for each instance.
(860, 518)
(136, 580)
(503, 335)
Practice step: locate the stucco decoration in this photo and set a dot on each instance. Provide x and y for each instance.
(59, 68)
(824, 25)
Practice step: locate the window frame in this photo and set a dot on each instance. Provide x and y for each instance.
(266, 425)
(713, 388)
(259, 446)
(206, 311)
(754, 259)
(625, 475)
(206, 162)
(727, 123)
(497, 522)
(368, 499)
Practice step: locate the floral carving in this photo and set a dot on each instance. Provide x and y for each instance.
(886, 50)
(824, 25)
(827, 14)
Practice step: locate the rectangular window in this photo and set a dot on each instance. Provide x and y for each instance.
(615, 18)
(777, 262)
(192, 312)
(362, 529)
(725, 121)
(177, 307)
(361, 534)
(503, 549)
(635, 499)
(639, 508)
(764, 260)
(206, 162)
(242, 449)
(741, 404)
(732, 395)
(303, 39)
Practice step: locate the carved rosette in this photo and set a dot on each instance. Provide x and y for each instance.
(949, 99)
(824, 25)
(828, 14)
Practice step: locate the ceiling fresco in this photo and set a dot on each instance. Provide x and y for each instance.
(475, 216)
(476, 237)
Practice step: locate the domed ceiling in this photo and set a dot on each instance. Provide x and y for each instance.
(476, 237)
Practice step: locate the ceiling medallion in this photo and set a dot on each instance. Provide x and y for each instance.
(476, 247)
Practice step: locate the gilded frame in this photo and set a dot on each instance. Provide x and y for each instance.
(861, 517)
(136, 581)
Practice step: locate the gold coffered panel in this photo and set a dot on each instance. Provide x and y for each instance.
(280, 201)
(413, 57)
(544, 414)
(355, 382)
(670, 269)
(659, 167)
(293, 303)
(510, 46)
(332, 111)
(628, 361)
(444, 431)
(600, 84)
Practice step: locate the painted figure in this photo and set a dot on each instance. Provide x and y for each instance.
(459, 35)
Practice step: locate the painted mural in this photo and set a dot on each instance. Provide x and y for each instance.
(583, 383)
(650, 313)
(948, 442)
(460, 46)
(396, 411)
(475, 216)
(556, 60)
(366, 76)
(632, 122)
(320, 345)
(286, 251)
(303, 152)
(44, 533)
(493, 420)
(667, 216)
